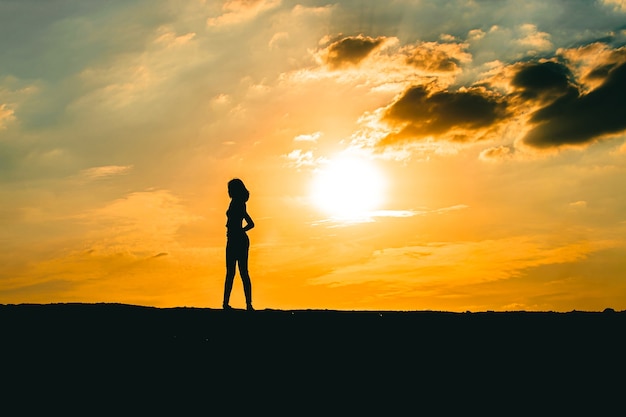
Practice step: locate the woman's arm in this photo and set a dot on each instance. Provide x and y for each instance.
(249, 223)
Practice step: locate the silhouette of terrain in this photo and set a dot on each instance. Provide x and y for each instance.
(333, 362)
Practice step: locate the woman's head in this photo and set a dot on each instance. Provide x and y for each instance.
(237, 190)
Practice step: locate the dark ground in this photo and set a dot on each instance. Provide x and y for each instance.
(139, 360)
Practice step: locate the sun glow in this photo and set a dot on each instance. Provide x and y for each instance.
(348, 188)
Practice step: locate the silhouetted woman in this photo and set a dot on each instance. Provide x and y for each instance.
(237, 242)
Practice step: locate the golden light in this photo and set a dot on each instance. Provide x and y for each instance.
(348, 187)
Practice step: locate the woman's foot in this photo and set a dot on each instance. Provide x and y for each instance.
(249, 307)
(226, 307)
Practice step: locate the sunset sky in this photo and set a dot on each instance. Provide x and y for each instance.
(404, 155)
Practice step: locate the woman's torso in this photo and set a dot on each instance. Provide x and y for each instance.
(235, 214)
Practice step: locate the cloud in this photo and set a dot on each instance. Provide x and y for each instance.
(455, 115)
(106, 171)
(302, 159)
(239, 11)
(141, 222)
(169, 38)
(384, 64)
(435, 57)
(444, 98)
(592, 63)
(617, 5)
(371, 216)
(581, 204)
(277, 39)
(496, 154)
(579, 119)
(533, 39)
(537, 80)
(350, 50)
(6, 115)
(313, 137)
(471, 262)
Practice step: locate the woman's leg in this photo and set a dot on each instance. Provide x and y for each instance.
(230, 276)
(245, 278)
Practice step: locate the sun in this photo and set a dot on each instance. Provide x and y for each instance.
(348, 187)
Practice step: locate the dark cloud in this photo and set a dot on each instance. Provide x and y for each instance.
(424, 113)
(537, 80)
(351, 50)
(569, 103)
(576, 119)
(601, 72)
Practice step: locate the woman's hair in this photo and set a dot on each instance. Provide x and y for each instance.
(237, 190)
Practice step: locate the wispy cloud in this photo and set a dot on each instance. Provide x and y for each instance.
(496, 154)
(578, 205)
(371, 216)
(617, 5)
(106, 171)
(299, 158)
(6, 115)
(312, 137)
(239, 11)
(452, 263)
(140, 222)
(535, 40)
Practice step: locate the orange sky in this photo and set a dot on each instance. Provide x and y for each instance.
(476, 153)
